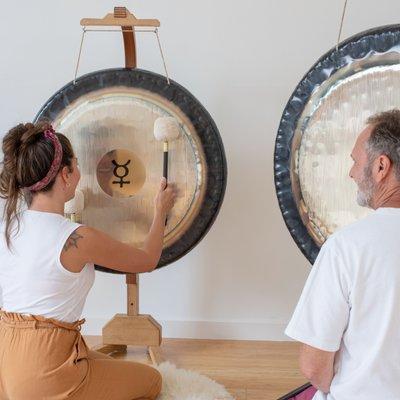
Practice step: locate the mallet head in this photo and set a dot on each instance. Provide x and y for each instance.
(166, 129)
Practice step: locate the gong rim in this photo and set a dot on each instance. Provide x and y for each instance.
(206, 129)
(376, 41)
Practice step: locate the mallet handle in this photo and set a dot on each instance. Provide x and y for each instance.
(165, 169)
(165, 166)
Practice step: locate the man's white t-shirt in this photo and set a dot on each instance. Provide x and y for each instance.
(351, 304)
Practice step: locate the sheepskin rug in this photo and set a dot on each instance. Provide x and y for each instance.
(181, 384)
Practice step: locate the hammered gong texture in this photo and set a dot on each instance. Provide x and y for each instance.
(318, 129)
(109, 117)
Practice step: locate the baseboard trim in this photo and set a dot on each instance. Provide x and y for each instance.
(265, 330)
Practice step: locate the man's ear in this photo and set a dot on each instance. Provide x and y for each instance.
(383, 167)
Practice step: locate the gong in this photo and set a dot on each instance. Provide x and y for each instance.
(318, 129)
(109, 116)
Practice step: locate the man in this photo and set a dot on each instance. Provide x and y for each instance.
(348, 316)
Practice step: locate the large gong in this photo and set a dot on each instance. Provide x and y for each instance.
(109, 117)
(318, 129)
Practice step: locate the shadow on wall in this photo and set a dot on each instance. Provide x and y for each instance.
(247, 263)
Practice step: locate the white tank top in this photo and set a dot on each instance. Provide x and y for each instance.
(32, 278)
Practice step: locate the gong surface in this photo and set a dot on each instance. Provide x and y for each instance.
(109, 117)
(319, 127)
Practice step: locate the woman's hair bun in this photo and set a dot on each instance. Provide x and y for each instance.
(19, 137)
(31, 134)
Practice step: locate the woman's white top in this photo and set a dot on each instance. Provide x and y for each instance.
(32, 278)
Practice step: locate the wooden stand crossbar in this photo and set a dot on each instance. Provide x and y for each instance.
(127, 21)
(120, 17)
(131, 328)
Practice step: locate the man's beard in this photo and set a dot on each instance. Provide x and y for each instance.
(366, 188)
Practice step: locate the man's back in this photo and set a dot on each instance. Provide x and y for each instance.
(351, 304)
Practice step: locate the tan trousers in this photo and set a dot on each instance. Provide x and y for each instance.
(46, 359)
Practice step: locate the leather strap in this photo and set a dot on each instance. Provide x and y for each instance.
(128, 33)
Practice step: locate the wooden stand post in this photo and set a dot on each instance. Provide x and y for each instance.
(131, 328)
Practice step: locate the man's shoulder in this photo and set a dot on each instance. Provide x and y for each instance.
(360, 229)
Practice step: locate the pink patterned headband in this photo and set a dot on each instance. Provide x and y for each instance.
(50, 134)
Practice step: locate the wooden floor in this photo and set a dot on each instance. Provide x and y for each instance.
(250, 370)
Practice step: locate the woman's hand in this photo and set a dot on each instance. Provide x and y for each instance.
(165, 198)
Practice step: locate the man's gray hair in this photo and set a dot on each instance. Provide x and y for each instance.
(385, 137)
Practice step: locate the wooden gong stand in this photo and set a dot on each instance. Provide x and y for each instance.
(131, 328)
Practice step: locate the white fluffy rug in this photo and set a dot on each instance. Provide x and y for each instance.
(181, 384)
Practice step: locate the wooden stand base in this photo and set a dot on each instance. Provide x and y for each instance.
(135, 330)
(154, 351)
(138, 330)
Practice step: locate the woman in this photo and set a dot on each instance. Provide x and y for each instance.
(46, 272)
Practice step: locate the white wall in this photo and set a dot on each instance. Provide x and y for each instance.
(241, 60)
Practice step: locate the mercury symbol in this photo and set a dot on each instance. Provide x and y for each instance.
(121, 177)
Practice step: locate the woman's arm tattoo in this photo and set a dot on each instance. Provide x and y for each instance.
(72, 241)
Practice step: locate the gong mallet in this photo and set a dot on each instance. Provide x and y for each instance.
(166, 129)
(75, 206)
